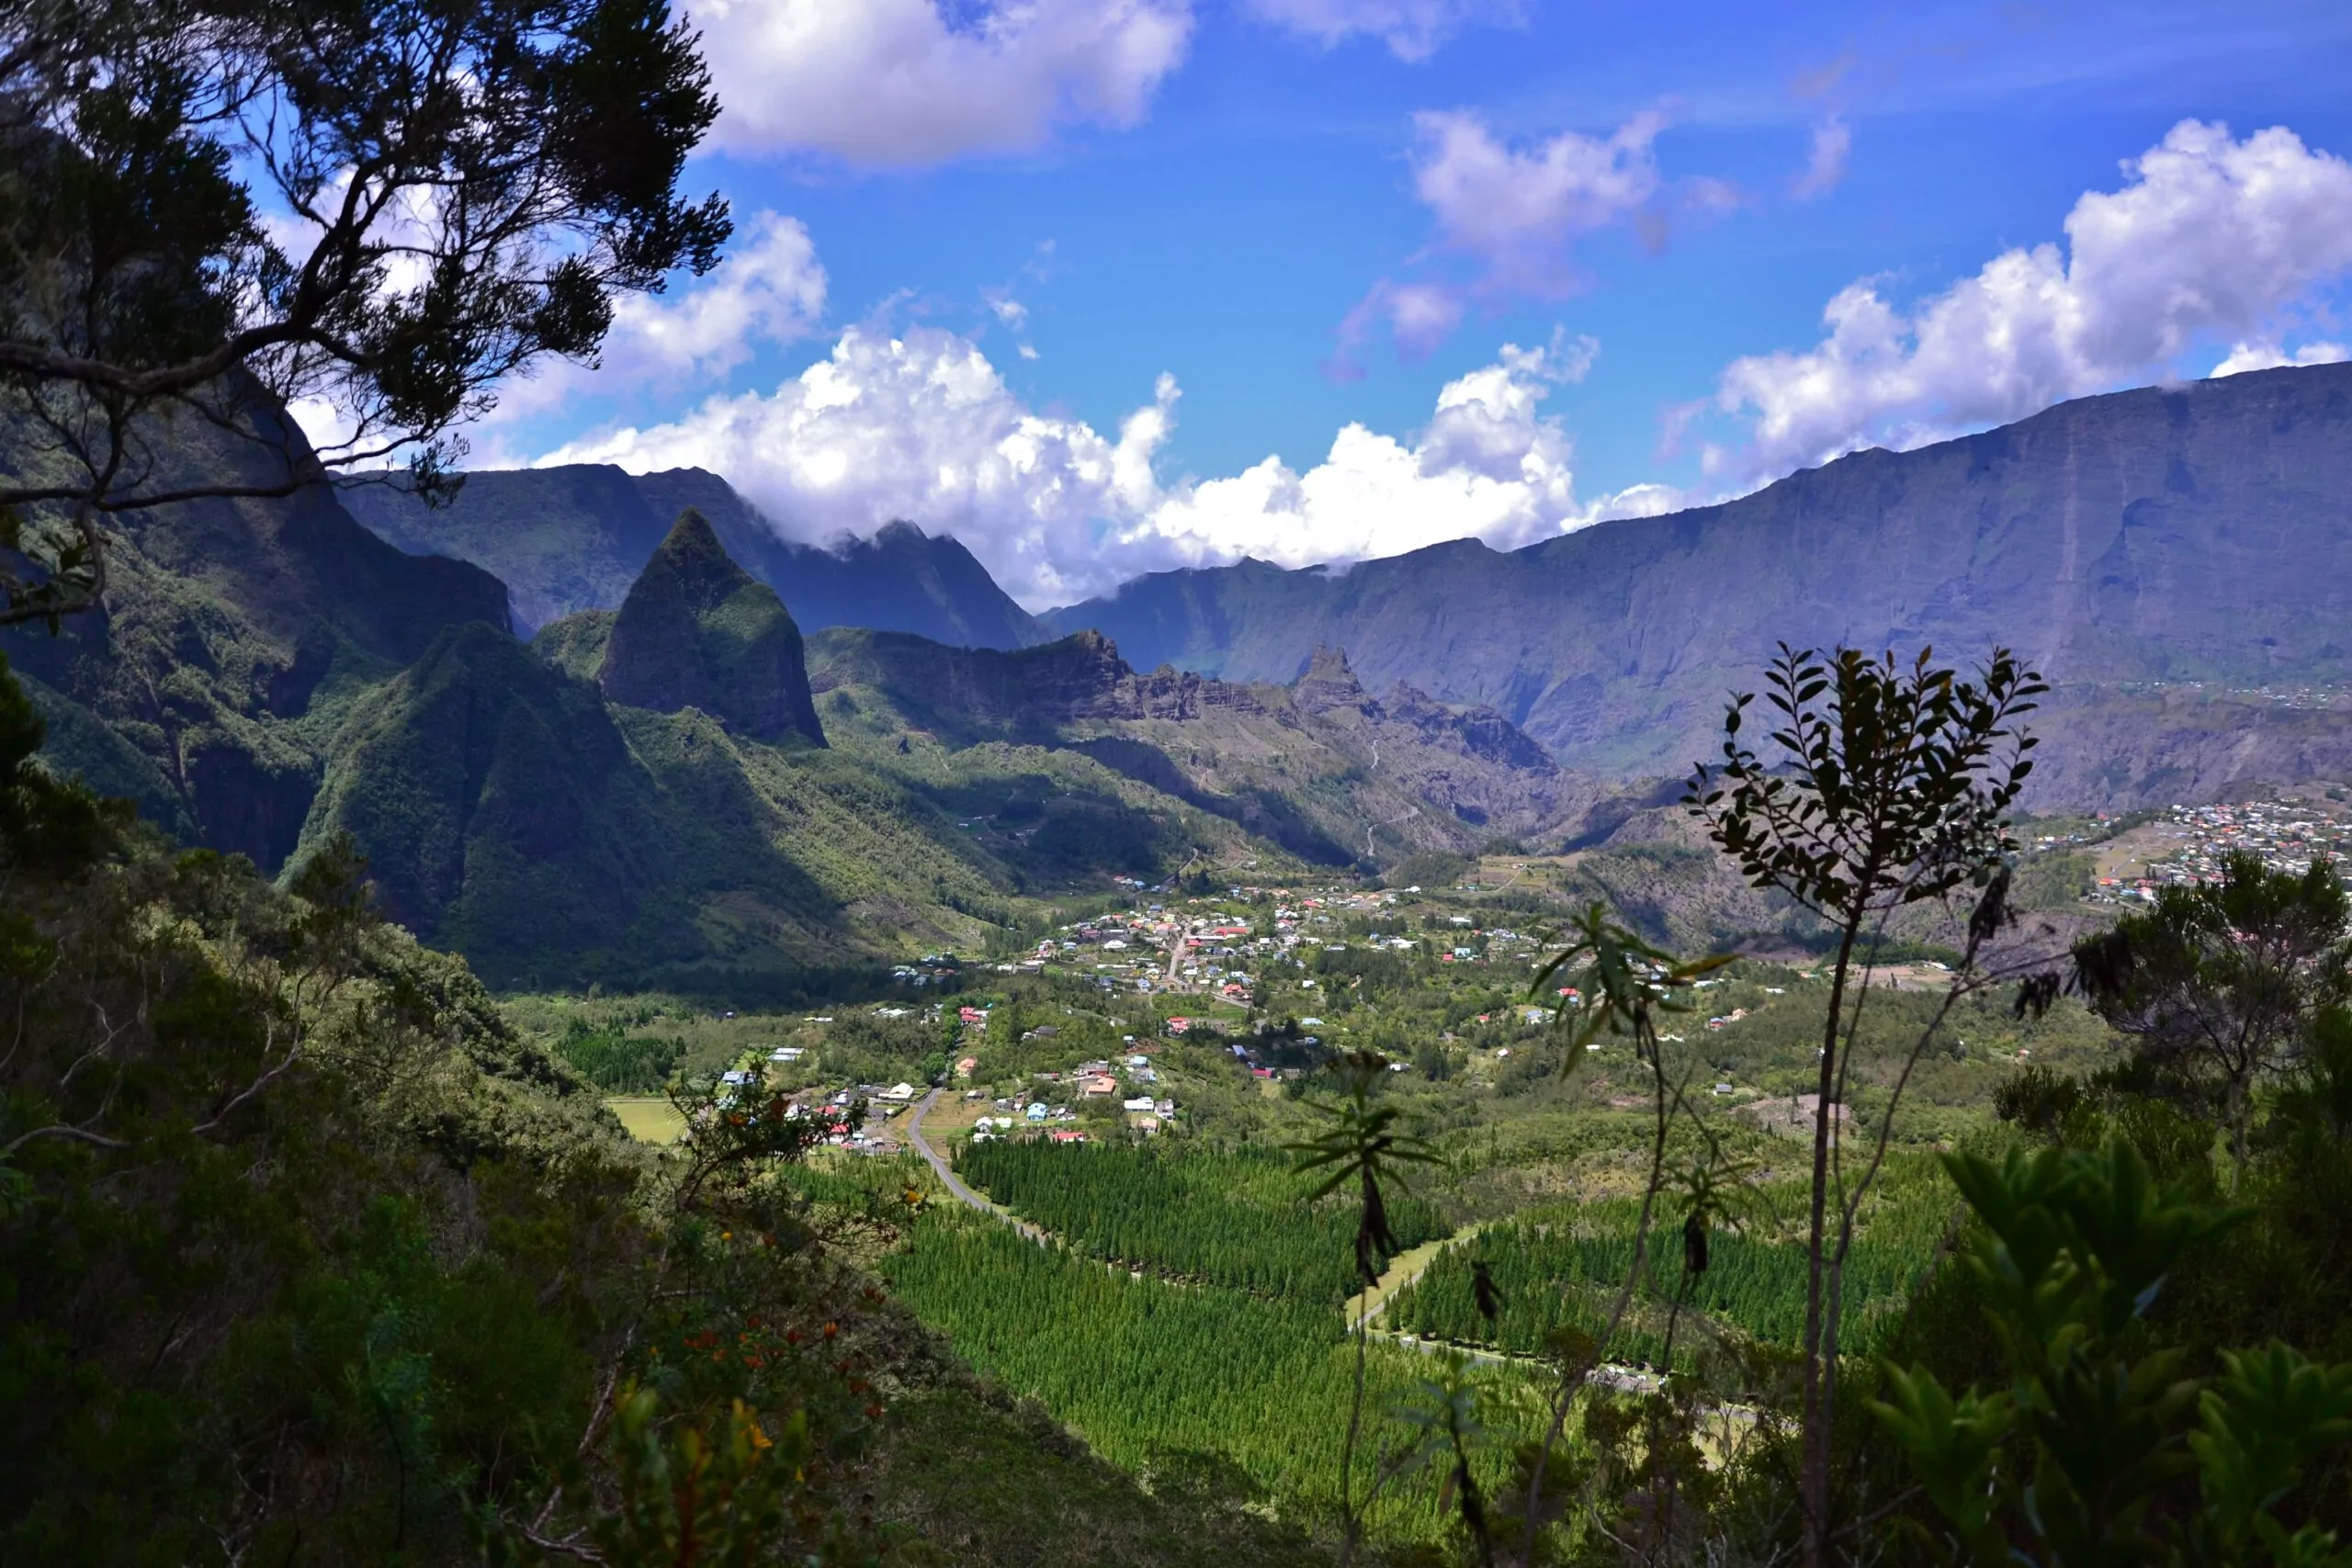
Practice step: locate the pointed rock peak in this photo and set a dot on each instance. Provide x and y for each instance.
(1411, 702)
(1084, 660)
(1093, 643)
(698, 631)
(901, 533)
(691, 555)
(1329, 668)
(1327, 683)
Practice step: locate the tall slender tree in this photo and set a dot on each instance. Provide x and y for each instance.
(1882, 786)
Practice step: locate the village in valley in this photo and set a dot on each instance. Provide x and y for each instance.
(2286, 831)
(1200, 972)
(1163, 993)
(1118, 1020)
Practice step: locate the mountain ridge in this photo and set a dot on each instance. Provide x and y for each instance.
(573, 538)
(1320, 767)
(2158, 535)
(235, 633)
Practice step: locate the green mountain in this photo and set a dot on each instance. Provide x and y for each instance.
(510, 812)
(236, 634)
(648, 796)
(572, 539)
(2177, 560)
(698, 631)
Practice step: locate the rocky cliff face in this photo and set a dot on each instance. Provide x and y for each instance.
(2192, 534)
(1320, 766)
(698, 631)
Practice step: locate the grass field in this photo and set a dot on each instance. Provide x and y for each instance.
(649, 1118)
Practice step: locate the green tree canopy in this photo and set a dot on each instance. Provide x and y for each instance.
(210, 208)
(2220, 984)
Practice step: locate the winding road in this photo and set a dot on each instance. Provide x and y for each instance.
(954, 1183)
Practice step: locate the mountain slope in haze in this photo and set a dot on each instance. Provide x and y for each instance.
(2172, 559)
(1322, 769)
(698, 631)
(572, 539)
(235, 633)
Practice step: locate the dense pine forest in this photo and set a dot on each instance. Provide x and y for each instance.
(1235, 1220)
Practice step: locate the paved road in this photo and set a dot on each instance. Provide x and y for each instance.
(954, 1183)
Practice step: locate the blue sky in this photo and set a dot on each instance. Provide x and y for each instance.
(1060, 276)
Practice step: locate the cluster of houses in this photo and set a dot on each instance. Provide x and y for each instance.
(1092, 1081)
(747, 1083)
(2285, 836)
(932, 969)
(1205, 950)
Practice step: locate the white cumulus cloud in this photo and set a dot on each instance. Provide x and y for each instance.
(1488, 464)
(911, 81)
(2244, 357)
(770, 288)
(919, 426)
(1514, 214)
(1520, 209)
(768, 291)
(922, 427)
(2209, 237)
(1411, 29)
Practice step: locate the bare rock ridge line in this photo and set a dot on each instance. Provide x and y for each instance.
(1080, 677)
(1283, 762)
(573, 538)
